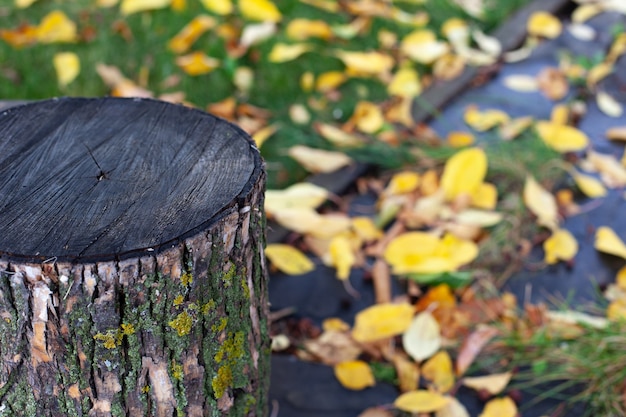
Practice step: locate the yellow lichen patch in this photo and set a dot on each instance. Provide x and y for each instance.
(222, 381)
(178, 300)
(186, 278)
(109, 339)
(177, 371)
(127, 329)
(182, 323)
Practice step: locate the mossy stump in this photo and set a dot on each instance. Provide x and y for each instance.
(132, 276)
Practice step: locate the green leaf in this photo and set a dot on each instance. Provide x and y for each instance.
(455, 279)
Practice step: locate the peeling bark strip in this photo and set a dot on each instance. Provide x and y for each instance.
(132, 275)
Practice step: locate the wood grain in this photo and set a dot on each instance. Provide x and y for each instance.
(109, 178)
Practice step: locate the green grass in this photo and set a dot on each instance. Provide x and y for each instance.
(28, 73)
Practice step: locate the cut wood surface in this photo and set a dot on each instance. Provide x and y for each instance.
(132, 275)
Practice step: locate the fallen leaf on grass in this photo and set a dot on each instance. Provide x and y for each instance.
(354, 375)
(423, 337)
(405, 83)
(486, 43)
(288, 259)
(464, 172)
(607, 241)
(422, 46)
(485, 196)
(256, 33)
(67, 67)
(56, 27)
(259, 10)
(561, 246)
(402, 183)
(282, 52)
(472, 346)
(133, 6)
(22, 36)
(494, 384)
(336, 136)
(219, 7)
(302, 29)
(319, 160)
(22, 4)
(460, 139)
(500, 407)
(190, 33)
(421, 401)
(544, 24)
(197, 63)
(438, 370)
(367, 63)
(329, 80)
(367, 117)
(382, 321)
(541, 203)
(261, 135)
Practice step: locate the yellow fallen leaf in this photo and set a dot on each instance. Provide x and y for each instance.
(585, 12)
(423, 337)
(561, 246)
(330, 80)
(494, 384)
(464, 172)
(299, 114)
(458, 139)
(261, 135)
(22, 36)
(382, 321)
(178, 5)
(336, 136)
(219, 7)
(300, 195)
(500, 407)
(302, 29)
(133, 6)
(408, 372)
(328, 5)
(281, 52)
(562, 138)
(590, 186)
(366, 229)
(620, 278)
(608, 104)
(22, 4)
(616, 310)
(318, 160)
(368, 117)
(486, 43)
(598, 72)
(341, 256)
(405, 83)
(197, 63)
(56, 27)
(400, 112)
(421, 252)
(544, 24)
(255, 33)
(422, 46)
(457, 31)
(335, 324)
(259, 10)
(190, 33)
(288, 259)
(484, 120)
(308, 221)
(477, 217)
(607, 241)
(67, 67)
(541, 203)
(367, 63)
(438, 370)
(560, 114)
(618, 47)
(485, 196)
(402, 183)
(421, 401)
(355, 375)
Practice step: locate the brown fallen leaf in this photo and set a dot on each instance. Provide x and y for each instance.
(472, 346)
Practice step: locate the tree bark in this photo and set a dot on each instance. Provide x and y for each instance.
(132, 274)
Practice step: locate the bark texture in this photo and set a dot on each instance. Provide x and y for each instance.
(179, 329)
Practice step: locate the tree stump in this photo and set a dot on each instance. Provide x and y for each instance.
(132, 275)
